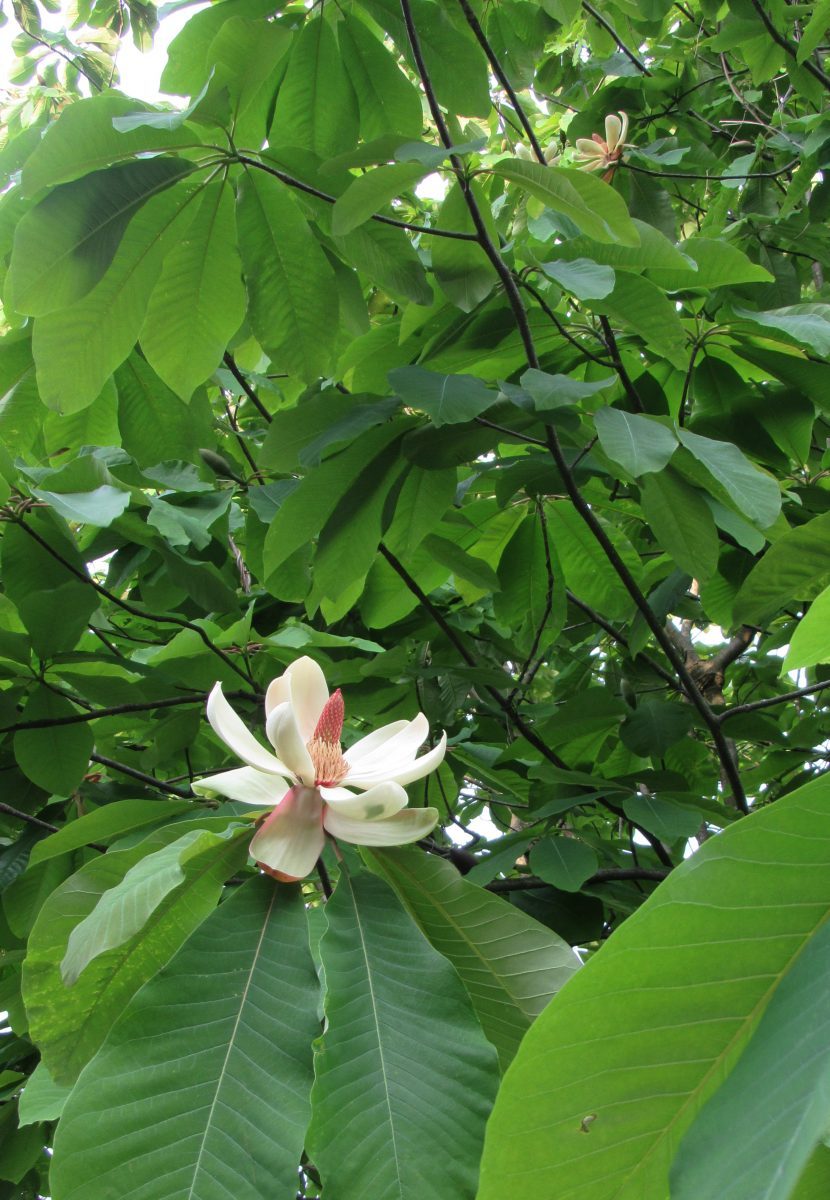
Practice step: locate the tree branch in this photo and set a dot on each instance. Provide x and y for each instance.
(181, 622)
(606, 875)
(458, 234)
(142, 777)
(738, 710)
(787, 47)
(28, 818)
(496, 68)
(609, 29)
(116, 710)
(230, 363)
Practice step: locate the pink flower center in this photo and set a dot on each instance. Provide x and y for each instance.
(330, 767)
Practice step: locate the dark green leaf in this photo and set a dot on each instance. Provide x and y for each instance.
(390, 994)
(187, 1122)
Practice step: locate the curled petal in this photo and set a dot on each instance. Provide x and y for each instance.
(366, 745)
(613, 131)
(406, 826)
(304, 685)
(588, 148)
(596, 164)
(406, 772)
(228, 725)
(396, 750)
(291, 839)
(247, 785)
(284, 736)
(383, 800)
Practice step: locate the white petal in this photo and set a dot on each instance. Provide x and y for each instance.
(291, 839)
(613, 130)
(285, 737)
(278, 692)
(246, 784)
(230, 728)
(406, 826)
(304, 684)
(364, 747)
(398, 749)
(381, 801)
(589, 148)
(402, 773)
(596, 164)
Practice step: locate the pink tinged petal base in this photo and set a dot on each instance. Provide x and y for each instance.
(382, 801)
(246, 785)
(407, 826)
(290, 840)
(284, 735)
(230, 728)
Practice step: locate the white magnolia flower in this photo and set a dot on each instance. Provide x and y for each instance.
(602, 154)
(303, 781)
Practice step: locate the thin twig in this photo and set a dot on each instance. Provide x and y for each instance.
(739, 710)
(496, 68)
(142, 777)
(787, 46)
(28, 818)
(606, 875)
(116, 710)
(458, 234)
(230, 363)
(181, 622)
(609, 28)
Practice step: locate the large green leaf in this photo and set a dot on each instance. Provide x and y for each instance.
(219, 1104)
(448, 399)
(387, 257)
(464, 272)
(111, 821)
(594, 207)
(638, 302)
(621, 1061)
(199, 301)
(755, 1135)
(303, 514)
(123, 910)
(77, 349)
(55, 758)
(796, 567)
(54, 605)
(404, 1075)
(64, 245)
(371, 192)
(681, 521)
(69, 1024)
(807, 324)
(84, 140)
(510, 965)
(388, 102)
(810, 643)
(639, 444)
(316, 105)
(291, 285)
(155, 425)
(754, 493)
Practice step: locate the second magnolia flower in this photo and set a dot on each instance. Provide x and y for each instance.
(304, 780)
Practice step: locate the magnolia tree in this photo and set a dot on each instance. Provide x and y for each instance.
(415, 614)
